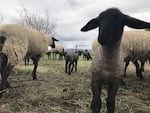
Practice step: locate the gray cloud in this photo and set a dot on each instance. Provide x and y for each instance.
(71, 15)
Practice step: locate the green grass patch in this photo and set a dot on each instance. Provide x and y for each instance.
(40, 69)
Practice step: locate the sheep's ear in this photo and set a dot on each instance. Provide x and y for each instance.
(54, 39)
(135, 23)
(92, 24)
(2, 39)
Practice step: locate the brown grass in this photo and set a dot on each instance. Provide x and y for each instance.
(57, 92)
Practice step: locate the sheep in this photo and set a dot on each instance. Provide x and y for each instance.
(18, 42)
(58, 50)
(71, 62)
(136, 46)
(107, 65)
(80, 52)
(86, 55)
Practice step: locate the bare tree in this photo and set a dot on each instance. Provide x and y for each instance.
(37, 21)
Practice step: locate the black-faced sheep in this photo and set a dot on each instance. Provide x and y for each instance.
(107, 65)
(18, 42)
(86, 55)
(71, 62)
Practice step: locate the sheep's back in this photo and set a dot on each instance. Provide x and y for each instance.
(136, 44)
(72, 56)
(58, 48)
(13, 30)
(38, 43)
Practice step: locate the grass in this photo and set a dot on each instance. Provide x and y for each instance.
(57, 92)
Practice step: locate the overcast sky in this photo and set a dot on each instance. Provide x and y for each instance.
(71, 15)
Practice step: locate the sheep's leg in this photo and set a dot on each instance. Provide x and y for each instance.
(112, 91)
(69, 70)
(53, 55)
(66, 65)
(35, 62)
(142, 65)
(5, 70)
(27, 61)
(76, 62)
(96, 99)
(126, 66)
(138, 70)
(72, 67)
(49, 56)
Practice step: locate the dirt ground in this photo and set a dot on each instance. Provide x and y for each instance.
(57, 92)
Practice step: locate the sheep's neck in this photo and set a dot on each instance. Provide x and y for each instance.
(111, 52)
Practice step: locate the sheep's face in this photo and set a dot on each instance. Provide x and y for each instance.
(111, 27)
(53, 42)
(111, 23)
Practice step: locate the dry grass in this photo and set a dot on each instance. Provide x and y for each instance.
(57, 92)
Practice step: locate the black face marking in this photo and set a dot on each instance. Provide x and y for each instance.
(110, 27)
(53, 42)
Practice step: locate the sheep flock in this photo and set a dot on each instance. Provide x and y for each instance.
(112, 51)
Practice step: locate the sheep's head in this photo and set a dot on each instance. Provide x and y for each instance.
(111, 23)
(53, 42)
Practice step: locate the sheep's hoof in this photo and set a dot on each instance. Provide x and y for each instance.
(123, 83)
(8, 86)
(1, 92)
(141, 77)
(34, 78)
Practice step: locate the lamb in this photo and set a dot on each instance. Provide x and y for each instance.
(136, 46)
(71, 62)
(107, 65)
(18, 42)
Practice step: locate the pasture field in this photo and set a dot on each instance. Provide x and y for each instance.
(57, 92)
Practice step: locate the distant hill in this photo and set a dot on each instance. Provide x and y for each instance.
(71, 49)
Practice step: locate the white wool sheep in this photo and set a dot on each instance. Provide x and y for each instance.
(59, 49)
(107, 65)
(18, 42)
(136, 46)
